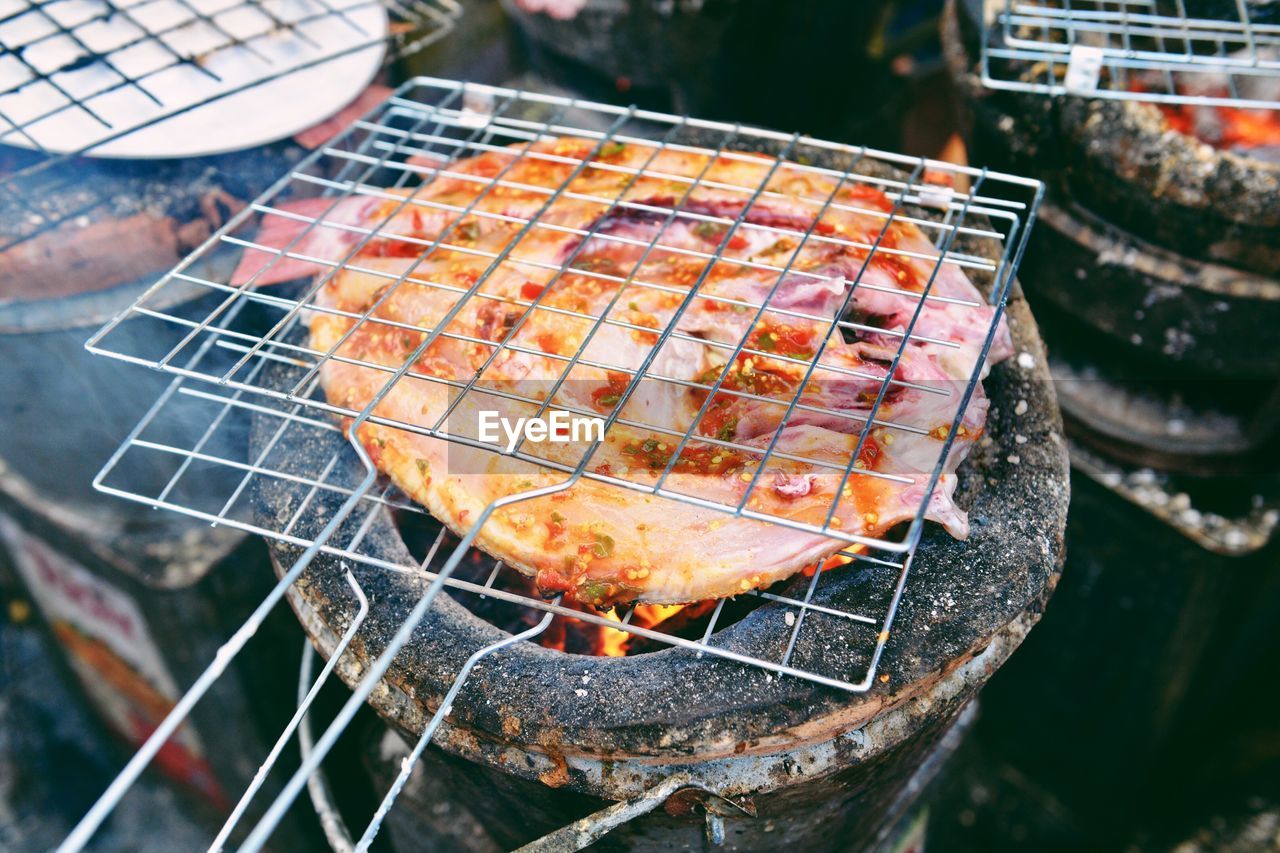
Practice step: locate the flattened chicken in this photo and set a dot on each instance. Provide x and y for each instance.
(773, 399)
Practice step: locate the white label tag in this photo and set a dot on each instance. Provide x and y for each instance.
(932, 195)
(1084, 67)
(477, 108)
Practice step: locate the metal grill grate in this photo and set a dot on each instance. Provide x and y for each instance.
(385, 160)
(1144, 50)
(100, 77)
(242, 357)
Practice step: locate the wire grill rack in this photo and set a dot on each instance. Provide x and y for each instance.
(81, 76)
(242, 361)
(1144, 50)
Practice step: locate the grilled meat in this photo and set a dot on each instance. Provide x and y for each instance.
(783, 381)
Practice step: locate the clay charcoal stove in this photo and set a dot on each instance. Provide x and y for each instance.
(1186, 177)
(1154, 285)
(1143, 312)
(1152, 237)
(727, 719)
(1153, 279)
(1167, 211)
(757, 756)
(1200, 52)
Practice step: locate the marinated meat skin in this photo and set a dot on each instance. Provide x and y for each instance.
(603, 543)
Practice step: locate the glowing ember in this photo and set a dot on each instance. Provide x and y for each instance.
(596, 636)
(836, 560)
(1233, 127)
(1223, 127)
(613, 643)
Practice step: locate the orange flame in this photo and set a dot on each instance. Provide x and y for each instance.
(614, 642)
(618, 642)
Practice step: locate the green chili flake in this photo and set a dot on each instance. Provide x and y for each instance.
(593, 591)
(610, 399)
(728, 430)
(766, 342)
(613, 149)
(709, 230)
(423, 466)
(557, 517)
(649, 445)
(604, 545)
(633, 306)
(594, 264)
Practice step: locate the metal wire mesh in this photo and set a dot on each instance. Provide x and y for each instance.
(204, 478)
(420, 133)
(1145, 50)
(81, 76)
(243, 362)
(201, 478)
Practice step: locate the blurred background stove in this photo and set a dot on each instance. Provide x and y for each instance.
(128, 135)
(1153, 275)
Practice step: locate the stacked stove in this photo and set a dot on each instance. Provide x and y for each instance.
(128, 134)
(1154, 274)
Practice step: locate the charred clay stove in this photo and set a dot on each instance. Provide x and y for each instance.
(539, 738)
(1152, 260)
(1153, 278)
(809, 712)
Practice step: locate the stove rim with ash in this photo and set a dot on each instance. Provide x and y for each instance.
(616, 743)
